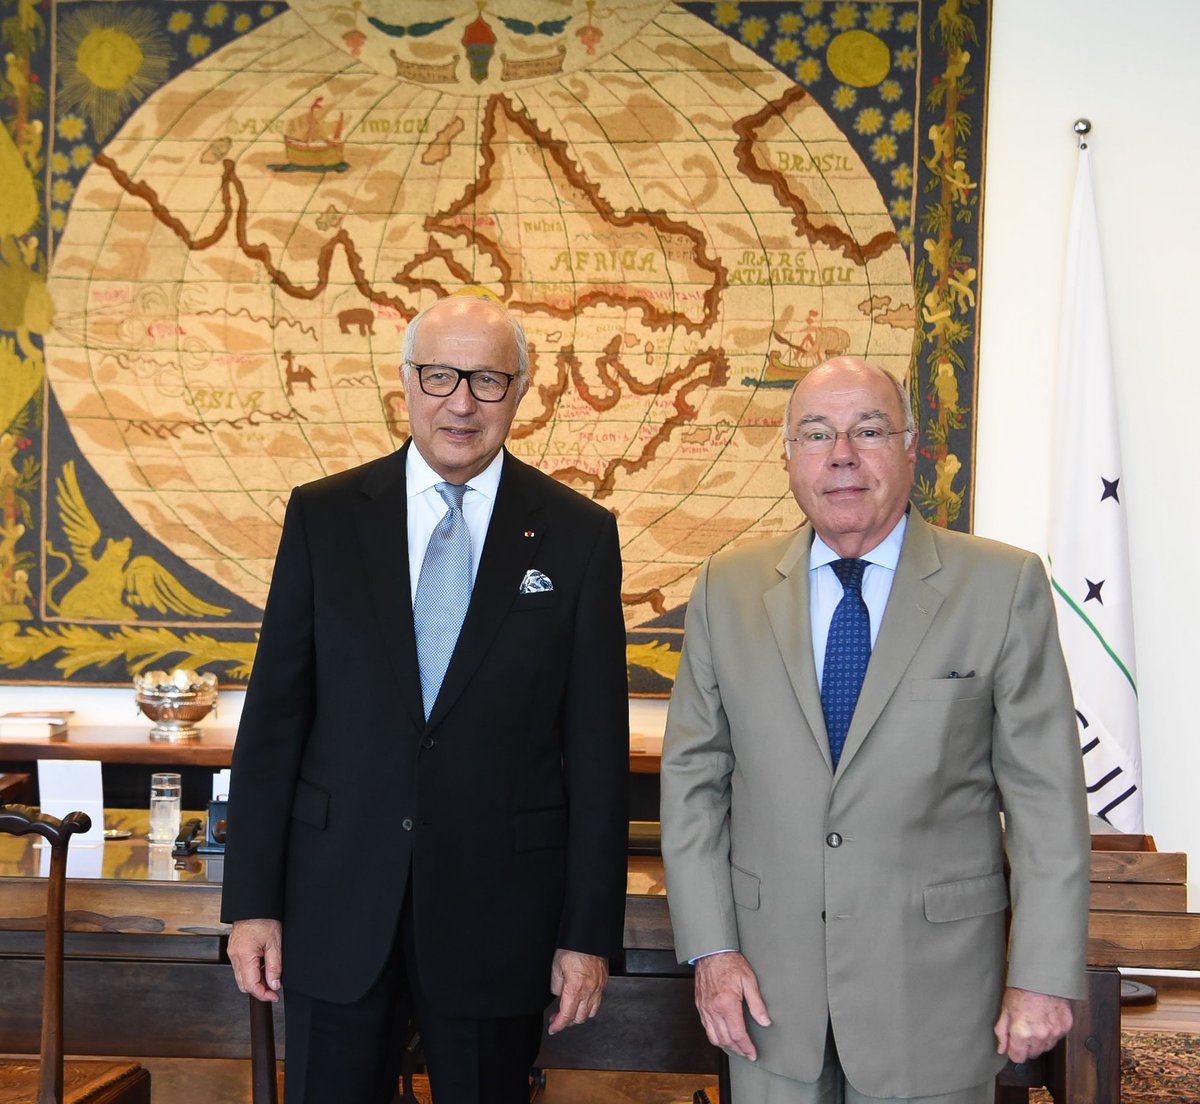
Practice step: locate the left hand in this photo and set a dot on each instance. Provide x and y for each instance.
(577, 979)
(1030, 1023)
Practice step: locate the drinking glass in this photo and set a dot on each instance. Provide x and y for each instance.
(165, 792)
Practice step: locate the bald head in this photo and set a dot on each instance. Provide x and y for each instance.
(474, 308)
(857, 363)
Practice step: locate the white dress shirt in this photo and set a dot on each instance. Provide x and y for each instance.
(825, 589)
(426, 508)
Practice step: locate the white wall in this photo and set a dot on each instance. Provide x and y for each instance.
(95, 706)
(1131, 71)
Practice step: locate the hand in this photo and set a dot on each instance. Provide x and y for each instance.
(577, 979)
(723, 982)
(1030, 1023)
(255, 950)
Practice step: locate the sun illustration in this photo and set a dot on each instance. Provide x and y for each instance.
(108, 59)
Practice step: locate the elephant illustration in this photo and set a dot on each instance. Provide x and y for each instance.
(362, 317)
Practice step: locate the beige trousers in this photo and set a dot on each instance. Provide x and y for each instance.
(750, 1084)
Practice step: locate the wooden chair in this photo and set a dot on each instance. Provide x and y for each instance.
(265, 1087)
(49, 1081)
(1085, 1068)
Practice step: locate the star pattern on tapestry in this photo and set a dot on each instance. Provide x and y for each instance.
(143, 52)
(859, 62)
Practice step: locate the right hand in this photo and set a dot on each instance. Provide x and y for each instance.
(255, 950)
(723, 982)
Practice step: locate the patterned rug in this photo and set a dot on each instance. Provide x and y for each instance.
(1156, 1068)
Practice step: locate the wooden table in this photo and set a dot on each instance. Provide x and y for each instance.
(144, 949)
(127, 754)
(126, 744)
(645, 753)
(214, 748)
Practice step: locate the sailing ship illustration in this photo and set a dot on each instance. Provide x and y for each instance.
(311, 144)
(813, 343)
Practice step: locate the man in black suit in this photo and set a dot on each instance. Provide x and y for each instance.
(454, 859)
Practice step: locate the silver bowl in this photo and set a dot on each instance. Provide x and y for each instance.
(175, 708)
(175, 714)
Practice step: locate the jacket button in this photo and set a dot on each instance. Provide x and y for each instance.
(427, 743)
(834, 839)
(407, 824)
(822, 916)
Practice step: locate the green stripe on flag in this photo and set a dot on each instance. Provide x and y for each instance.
(1088, 622)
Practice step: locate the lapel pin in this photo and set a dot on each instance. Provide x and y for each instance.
(529, 532)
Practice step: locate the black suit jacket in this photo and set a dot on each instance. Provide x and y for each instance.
(508, 807)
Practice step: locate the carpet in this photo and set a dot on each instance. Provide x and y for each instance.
(1156, 1068)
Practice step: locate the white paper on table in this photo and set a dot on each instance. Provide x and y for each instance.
(73, 785)
(82, 862)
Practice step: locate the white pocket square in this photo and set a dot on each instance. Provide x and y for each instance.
(535, 581)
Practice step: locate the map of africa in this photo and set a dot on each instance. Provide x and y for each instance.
(682, 230)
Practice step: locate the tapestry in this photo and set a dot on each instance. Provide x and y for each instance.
(216, 217)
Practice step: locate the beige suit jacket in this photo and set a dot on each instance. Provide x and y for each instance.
(874, 897)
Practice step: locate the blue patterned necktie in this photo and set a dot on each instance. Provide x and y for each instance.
(443, 593)
(847, 651)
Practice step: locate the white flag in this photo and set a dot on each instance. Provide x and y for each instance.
(1089, 550)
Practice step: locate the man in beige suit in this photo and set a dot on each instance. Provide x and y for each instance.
(852, 899)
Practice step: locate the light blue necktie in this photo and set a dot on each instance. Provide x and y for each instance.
(443, 593)
(847, 651)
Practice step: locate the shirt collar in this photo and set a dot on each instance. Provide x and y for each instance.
(885, 554)
(420, 477)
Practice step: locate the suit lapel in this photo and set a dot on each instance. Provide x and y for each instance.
(382, 518)
(787, 604)
(911, 608)
(507, 554)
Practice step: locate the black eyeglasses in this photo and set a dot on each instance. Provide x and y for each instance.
(440, 380)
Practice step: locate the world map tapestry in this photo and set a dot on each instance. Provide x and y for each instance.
(216, 219)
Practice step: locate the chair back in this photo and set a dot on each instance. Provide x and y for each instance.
(20, 820)
(264, 1087)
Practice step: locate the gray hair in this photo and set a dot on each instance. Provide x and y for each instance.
(522, 345)
(910, 421)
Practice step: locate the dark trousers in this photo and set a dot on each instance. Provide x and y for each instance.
(351, 1053)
